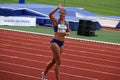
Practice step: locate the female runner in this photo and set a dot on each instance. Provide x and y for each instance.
(61, 29)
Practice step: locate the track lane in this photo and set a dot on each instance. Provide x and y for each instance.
(84, 59)
(26, 48)
(80, 48)
(82, 53)
(64, 68)
(74, 71)
(38, 37)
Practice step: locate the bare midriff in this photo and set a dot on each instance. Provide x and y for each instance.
(59, 36)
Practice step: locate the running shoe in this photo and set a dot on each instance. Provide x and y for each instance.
(43, 76)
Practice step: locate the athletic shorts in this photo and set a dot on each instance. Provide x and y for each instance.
(60, 43)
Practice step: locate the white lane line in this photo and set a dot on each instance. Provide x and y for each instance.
(80, 56)
(78, 76)
(64, 49)
(92, 58)
(83, 62)
(10, 72)
(66, 41)
(67, 37)
(98, 49)
(66, 53)
(32, 48)
(15, 57)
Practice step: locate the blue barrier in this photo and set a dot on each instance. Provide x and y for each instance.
(41, 11)
(118, 26)
(10, 12)
(98, 26)
(73, 25)
(40, 21)
(21, 1)
(31, 13)
(6, 12)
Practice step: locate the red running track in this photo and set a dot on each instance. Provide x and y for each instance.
(23, 56)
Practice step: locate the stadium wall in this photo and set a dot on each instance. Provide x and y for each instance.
(73, 16)
(41, 19)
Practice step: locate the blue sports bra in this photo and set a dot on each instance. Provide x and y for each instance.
(60, 27)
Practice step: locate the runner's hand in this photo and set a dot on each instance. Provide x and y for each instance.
(60, 6)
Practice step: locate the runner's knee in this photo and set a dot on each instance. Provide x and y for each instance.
(53, 61)
(58, 62)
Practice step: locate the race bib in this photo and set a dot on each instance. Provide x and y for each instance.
(62, 28)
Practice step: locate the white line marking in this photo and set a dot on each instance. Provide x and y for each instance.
(50, 71)
(82, 62)
(66, 37)
(4, 71)
(80, 56)
(33, 40)
(15, 57)
(50, 51)
(46, 38)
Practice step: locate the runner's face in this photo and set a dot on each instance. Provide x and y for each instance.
(62, 14)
